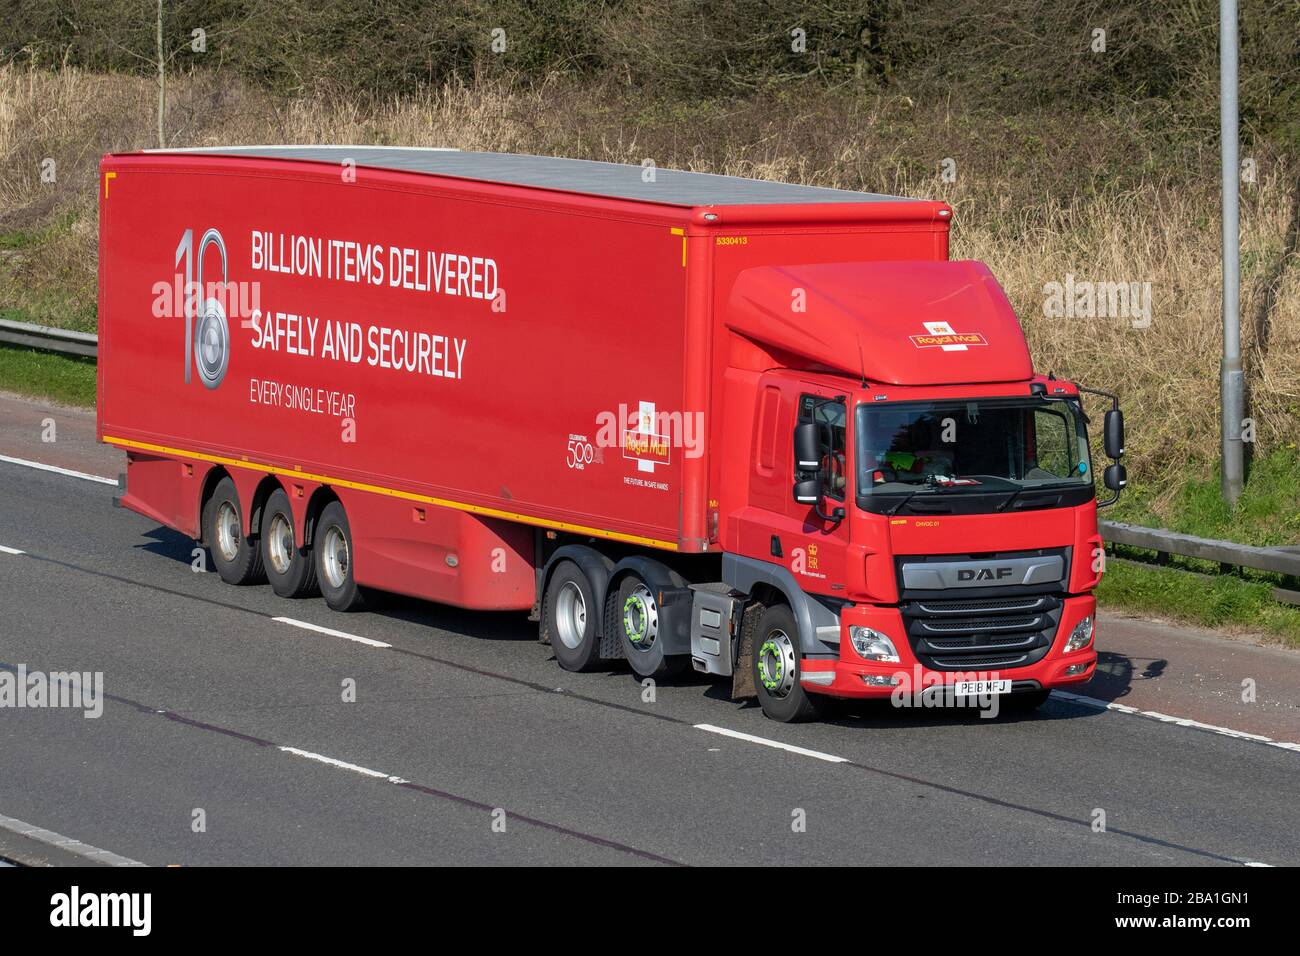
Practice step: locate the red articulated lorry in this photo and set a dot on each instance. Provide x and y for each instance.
(764, 430)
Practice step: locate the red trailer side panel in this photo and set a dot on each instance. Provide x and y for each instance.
(484, 347)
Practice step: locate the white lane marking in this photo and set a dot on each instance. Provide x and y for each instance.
(791, 748)
(1253, 863)
(1178, 721)
(343, 765)
(330, 631)
(51, 838)
(4, 550)
(41, 466)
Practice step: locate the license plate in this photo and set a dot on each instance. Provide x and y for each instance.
(980, 688)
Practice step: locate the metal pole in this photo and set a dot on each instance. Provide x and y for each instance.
(1231, 377)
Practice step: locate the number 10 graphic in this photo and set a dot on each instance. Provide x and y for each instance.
(207, 334)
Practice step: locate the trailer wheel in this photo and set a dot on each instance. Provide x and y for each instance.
(569, 615)
(290, 569)
(634, 613)
(333, 560)
(776, 670)
(237, 559)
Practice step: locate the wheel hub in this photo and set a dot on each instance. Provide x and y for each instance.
(228, 531)
(280, 539)
(641, 618)
(335, 554)
(571, 615)
(777, 663)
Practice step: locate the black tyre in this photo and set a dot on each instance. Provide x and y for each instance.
(1024, 701)
(237, 559)
(289, 568)
(332, 554)
(777, 671)
(634, 614)
(569, 615)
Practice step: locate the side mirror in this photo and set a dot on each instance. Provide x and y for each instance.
(808, 491)
(807, 447)
(1115, 477)
(1113, 435)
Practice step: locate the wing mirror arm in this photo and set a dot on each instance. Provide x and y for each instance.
(1115, 477)
(807, 458)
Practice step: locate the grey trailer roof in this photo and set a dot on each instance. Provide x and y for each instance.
(619, 180)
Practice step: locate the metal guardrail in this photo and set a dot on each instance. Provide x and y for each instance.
(50, 340)
(1278, 560)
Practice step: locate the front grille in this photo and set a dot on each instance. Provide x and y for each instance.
(981, 634)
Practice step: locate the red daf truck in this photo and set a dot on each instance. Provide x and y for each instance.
(763, 430)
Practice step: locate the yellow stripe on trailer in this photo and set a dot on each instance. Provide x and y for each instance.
(393, 493)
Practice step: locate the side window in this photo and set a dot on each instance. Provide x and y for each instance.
(830, 416)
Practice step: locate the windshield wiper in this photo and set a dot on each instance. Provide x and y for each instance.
(1057, 487)
(929, 484)
(1010, 498)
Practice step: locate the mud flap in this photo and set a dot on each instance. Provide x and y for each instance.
(742, 676)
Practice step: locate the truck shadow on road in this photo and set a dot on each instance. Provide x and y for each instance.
(167, 543)
(1117, 673)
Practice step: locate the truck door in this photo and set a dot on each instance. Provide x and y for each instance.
(818, 559)
(774, 527)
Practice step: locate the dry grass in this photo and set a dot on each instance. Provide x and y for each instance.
(1098, 197)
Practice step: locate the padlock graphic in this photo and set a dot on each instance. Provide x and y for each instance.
(210, 330)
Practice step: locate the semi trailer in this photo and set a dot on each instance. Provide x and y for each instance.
(766, 431)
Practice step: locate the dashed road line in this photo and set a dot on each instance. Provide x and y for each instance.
(70, 473)
(308, 626)
(765, 742)
(1177, 721)
(4, 550)
(343, 765)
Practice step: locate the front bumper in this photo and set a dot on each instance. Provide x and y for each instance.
(851, 676)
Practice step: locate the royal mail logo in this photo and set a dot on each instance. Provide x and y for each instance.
(643, 445)
(941, 335)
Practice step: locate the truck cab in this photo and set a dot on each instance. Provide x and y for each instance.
(927, 499)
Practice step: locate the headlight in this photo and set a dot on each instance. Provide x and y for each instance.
(871, 645)
(1080, 637)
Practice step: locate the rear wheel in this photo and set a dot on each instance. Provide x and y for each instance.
(636, 615)
(333, 559)
(288, 567)
(237, 559)
(777, 671)
(569, 618)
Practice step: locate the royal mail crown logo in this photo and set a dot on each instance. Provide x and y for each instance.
(941, 335)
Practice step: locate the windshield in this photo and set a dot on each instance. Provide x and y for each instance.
(988, 445)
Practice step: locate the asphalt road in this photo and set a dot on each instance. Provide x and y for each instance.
(467, 744)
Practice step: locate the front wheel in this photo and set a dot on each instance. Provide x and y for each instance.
(333, 555)
(777, 671)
